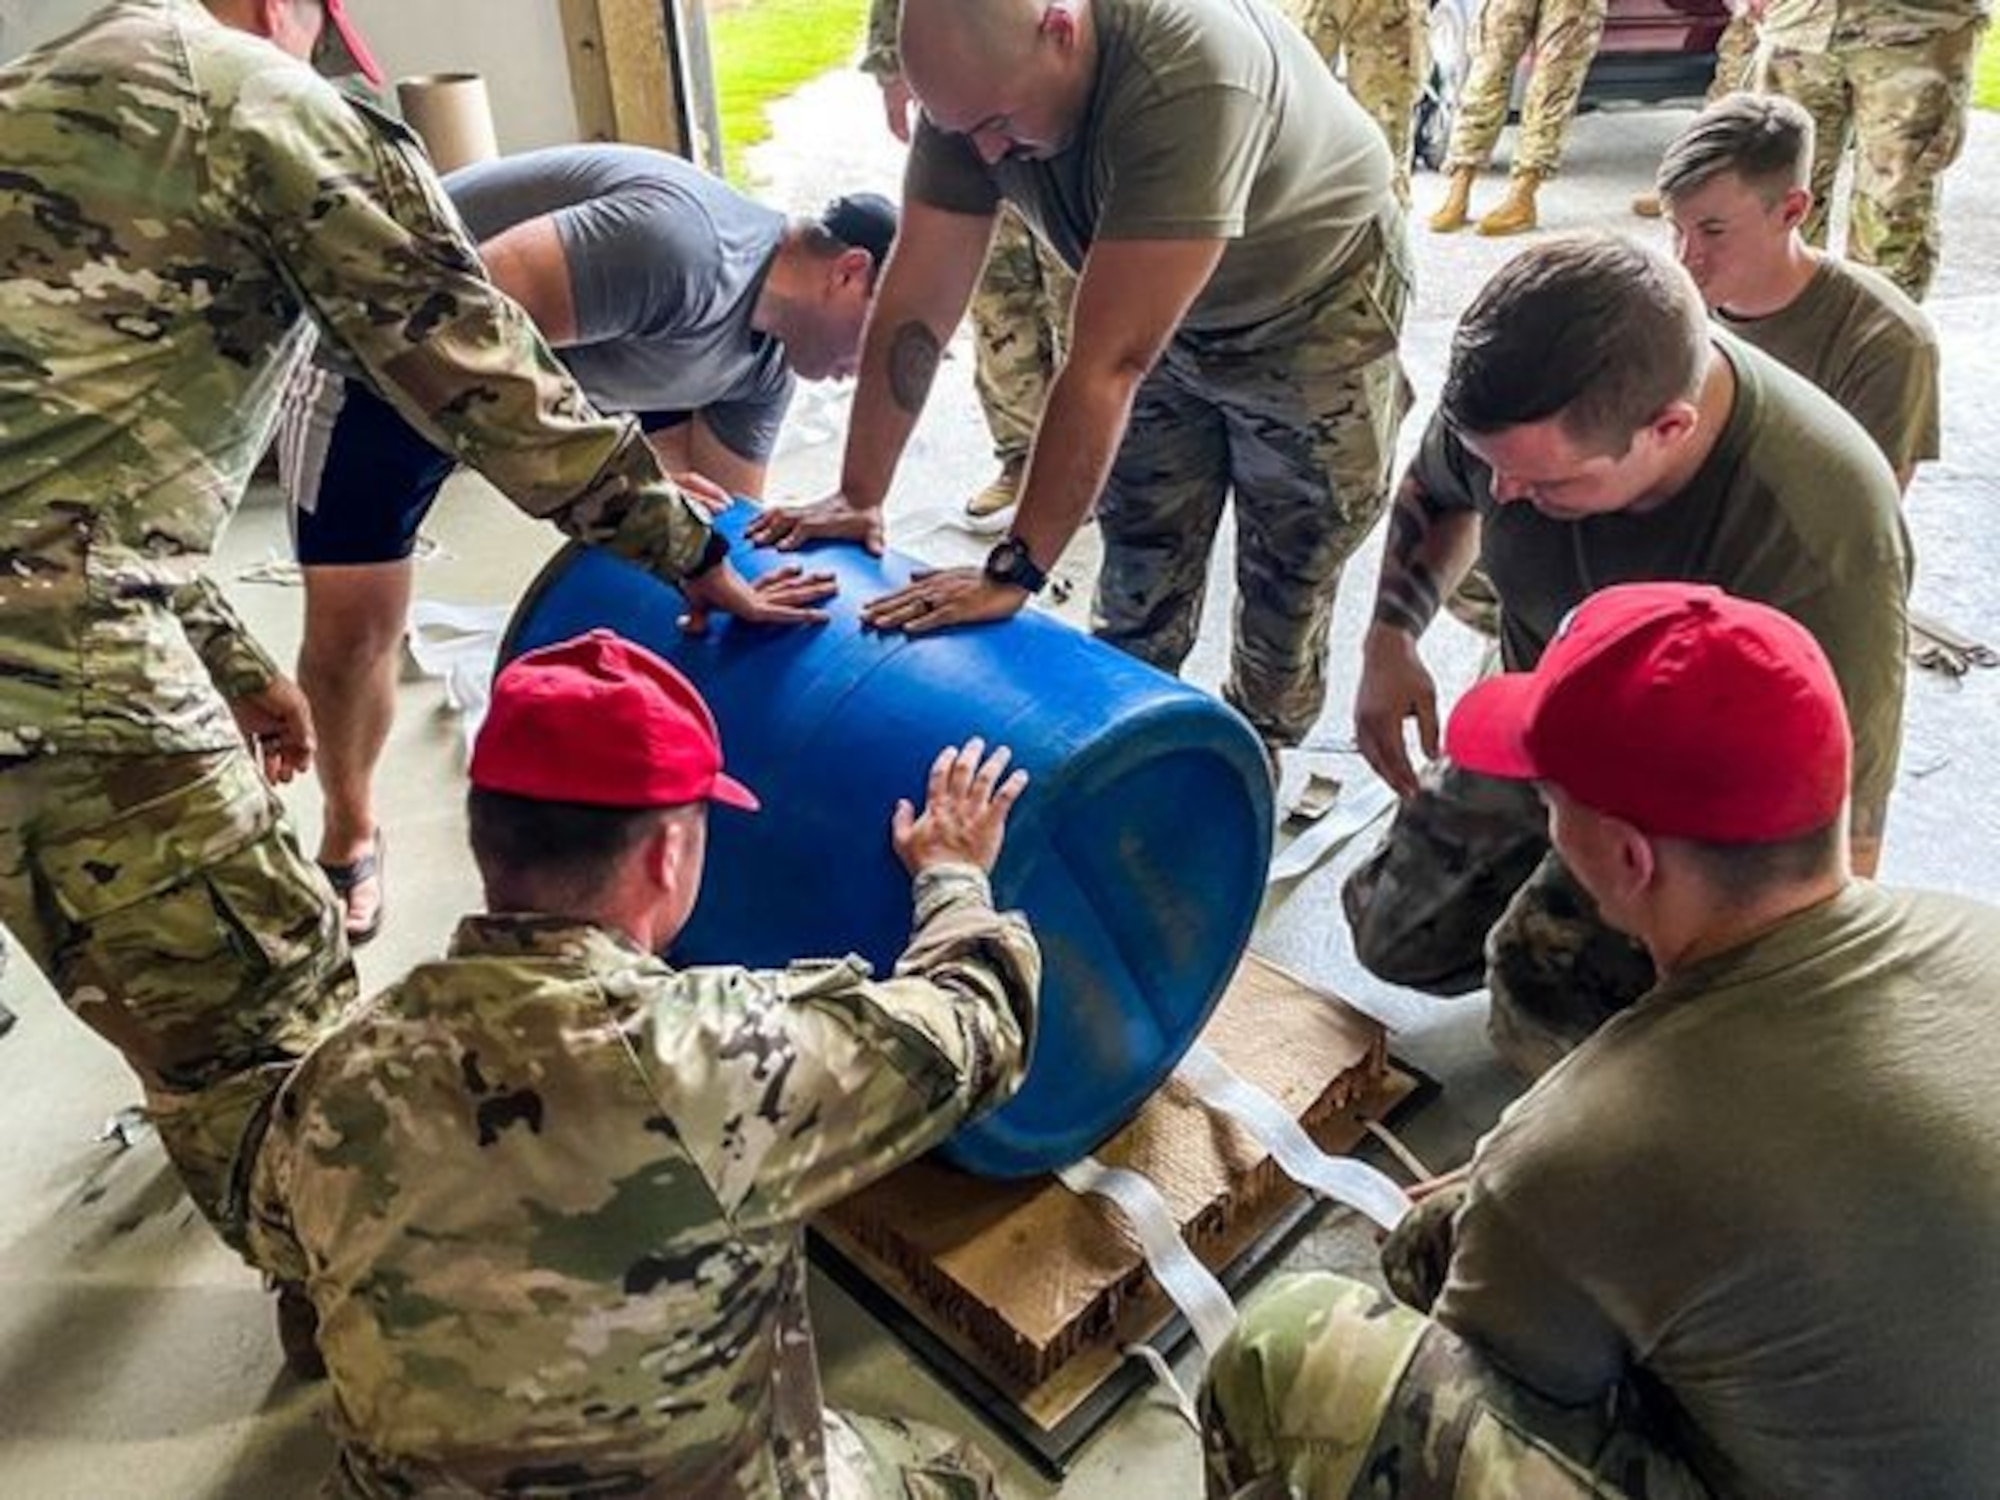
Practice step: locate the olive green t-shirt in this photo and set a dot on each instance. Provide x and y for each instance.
(1793, 507)
(1855, 335)
(1210, 119)
(1771, 1190)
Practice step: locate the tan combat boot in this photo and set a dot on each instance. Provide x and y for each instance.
(991, 511)
(1648, 206)
(1453, 213)
(1516, 213)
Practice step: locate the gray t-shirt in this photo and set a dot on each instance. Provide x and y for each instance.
(666, 263)
(1770, 1191)
(1210, 119)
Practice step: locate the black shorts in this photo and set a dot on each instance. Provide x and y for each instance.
(361, 479)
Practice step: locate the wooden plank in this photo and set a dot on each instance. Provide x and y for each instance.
(623, 73)
(1039, 1290)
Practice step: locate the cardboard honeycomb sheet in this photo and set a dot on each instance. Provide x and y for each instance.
(1040, 1289)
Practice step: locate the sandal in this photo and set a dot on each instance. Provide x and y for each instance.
(356, 872)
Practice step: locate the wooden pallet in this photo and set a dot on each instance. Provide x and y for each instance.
(1034, 1291)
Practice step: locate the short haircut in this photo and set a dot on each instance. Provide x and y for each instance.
(1743, 872)
(1766, 139)
(1593, 328)
(564, 853)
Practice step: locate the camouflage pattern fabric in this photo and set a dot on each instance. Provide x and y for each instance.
(1463, 890)
(548, 1194)
(1416, 1255)
(1735, 57)
(1564, 36)
(171, 908)
(1385, 45)
(1298, 417)
(179, 199)
(1901, 104)
(1020, 323)
(1329, 1389)
(877, 1458)
(881, 56)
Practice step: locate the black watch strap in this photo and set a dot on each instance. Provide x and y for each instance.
(1009, 562)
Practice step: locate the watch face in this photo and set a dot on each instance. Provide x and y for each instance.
(1010, 562)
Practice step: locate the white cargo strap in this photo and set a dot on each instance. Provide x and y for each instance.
(459, 642)
(1358, 808)
(1181, 1275)
(1189, 1284)
(1340, 1178)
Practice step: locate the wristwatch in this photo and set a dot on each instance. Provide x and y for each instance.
(1009, 563)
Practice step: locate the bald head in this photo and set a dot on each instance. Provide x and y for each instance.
(1012, 75)
(945, 40)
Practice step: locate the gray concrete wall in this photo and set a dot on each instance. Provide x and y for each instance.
(517, 44)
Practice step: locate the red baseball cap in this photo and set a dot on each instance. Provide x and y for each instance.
(601, 720)
(341, 49)
(1686, 712)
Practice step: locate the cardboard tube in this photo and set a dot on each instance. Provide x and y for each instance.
(452, 117)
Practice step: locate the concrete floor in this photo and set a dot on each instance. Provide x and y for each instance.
(137, 1358)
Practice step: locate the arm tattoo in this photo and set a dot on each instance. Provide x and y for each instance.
(1408, 595)
(913, 362)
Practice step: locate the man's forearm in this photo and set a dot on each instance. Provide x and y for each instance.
(898, 365)
(1082, 425)
(1430, 549)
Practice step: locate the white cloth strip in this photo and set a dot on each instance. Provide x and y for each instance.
(1181, 1275)
(1164, 1377)
(1359, 806)
(1337, 1177)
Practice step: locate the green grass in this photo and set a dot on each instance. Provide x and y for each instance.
(763, 50)
(1986, 77)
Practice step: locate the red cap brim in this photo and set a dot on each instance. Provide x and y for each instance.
(348, 40)
(732, 793)
(1488, 730)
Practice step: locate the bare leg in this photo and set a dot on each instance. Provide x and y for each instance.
(347, 666)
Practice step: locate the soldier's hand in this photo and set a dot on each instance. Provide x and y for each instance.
(944, 596)
(833, 519)
(784, 596)
(1395, 685)
(704, 491)
(897, 106)
(964, 820)
(277, 723)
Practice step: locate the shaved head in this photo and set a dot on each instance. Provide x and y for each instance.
(944, 41)
(1012, 75)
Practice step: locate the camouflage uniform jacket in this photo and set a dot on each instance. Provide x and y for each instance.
(547, 1194)
(1822, 25)
(179, 202)
(881, 54)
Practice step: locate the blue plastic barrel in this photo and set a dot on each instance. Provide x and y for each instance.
(1138, 852)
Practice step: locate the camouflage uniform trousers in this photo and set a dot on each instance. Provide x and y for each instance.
(1464, 889)
(1564, 35)
(1903, 108)
(1735, 57)
(1329, 1388)
(883, 1458)
(1298, 415)
(1386, 46)
(1020, 321)
(173, 911)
